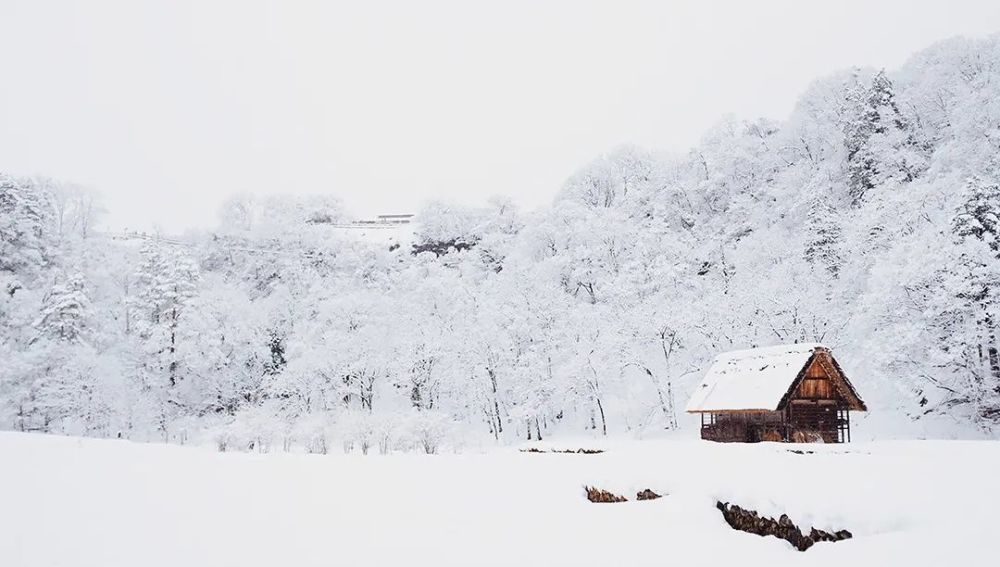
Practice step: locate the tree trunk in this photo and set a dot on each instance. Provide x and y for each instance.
(595, 389)
(668, 350)
(673, 411)
(659, 394)
(496, 403)
(173, 347)
(491, 420)
(604, 423)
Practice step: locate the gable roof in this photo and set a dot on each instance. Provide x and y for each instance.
(762, 379)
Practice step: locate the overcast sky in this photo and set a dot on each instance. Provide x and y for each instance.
(169, 107)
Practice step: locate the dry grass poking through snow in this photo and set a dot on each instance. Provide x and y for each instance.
(602, 496)
(647, 494)
(569, 451)
(749, 521)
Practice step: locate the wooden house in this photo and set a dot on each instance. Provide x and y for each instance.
(794, 393)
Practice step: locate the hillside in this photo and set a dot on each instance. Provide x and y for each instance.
(867, 220)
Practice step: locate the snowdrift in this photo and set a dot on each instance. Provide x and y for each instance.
(84, 502)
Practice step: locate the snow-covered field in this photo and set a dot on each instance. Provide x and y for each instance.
(82, 502)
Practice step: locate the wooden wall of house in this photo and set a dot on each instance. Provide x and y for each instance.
(800, 423)
(744, 427)
(816, 384)
(812, 408)
(807, 420)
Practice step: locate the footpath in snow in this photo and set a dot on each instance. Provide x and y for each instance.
(82, 503)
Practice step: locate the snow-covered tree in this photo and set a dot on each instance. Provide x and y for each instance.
(65, 310)
(25, 217)
(881, 144)
(823, 239)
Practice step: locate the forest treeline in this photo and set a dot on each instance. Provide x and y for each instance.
(867, 220)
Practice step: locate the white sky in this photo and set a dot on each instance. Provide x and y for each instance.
(169, 107)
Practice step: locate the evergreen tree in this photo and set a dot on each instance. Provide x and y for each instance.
(64, 310)
(881, 144)
(979, 215)
(823, 236)
(858, 130)
(25, 212)
(166, 280)
(967, 311)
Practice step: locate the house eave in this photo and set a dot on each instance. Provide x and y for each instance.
(752, 410)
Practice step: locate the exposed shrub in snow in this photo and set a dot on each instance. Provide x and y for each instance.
(315, 432)
(647, 494)
(428, 431)
(602, 496)
(255, 429)
(358, 431)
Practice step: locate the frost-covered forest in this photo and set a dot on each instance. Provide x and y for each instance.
(867, 220)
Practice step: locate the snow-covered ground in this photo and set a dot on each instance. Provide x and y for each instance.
(83, 502)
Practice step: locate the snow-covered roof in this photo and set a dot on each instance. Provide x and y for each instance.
(754, 379)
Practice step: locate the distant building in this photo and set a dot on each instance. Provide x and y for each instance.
(794, 393)
(394, 219)
(384, 221)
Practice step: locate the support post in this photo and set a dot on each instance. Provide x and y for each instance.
(848, 411)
